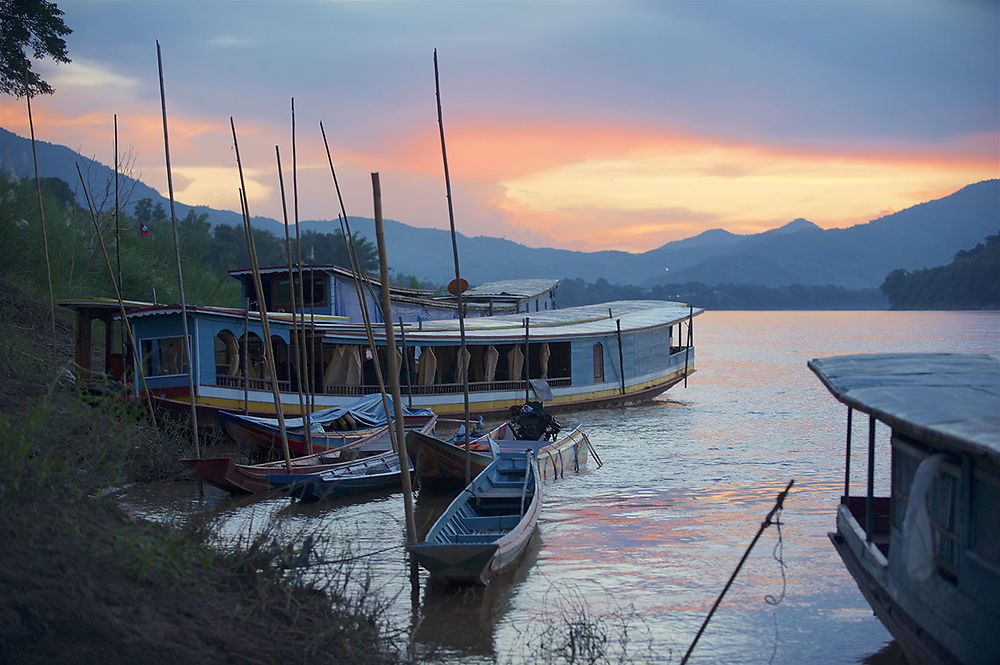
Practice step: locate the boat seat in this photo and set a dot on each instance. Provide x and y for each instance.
(484, 537)
(490, 523)
(502, 493)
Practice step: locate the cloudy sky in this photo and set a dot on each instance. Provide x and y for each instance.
(581, 125)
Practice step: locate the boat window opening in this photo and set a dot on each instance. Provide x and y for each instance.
(227, 357)
(163, 356)
(598, 362)
(985, 507)
(253, 348)
(282, 366)
(279, 295)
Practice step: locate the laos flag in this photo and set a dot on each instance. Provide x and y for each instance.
(143, 230)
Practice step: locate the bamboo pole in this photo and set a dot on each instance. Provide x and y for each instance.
(118, 295)
(621, 354)
(406, 364)
(390, 361)
(45, 238)
(690, 342)
(458, 277)
(527, 365)
(186, 344)
(308, 356)
(261, 306)
(118, 240)
(296, 346)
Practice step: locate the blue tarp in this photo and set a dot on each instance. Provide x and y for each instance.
(367, 411)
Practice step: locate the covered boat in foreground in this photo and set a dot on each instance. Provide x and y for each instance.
(335, 428)
(488, 525)
(926, 555)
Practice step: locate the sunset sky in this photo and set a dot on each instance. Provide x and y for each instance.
(580, 125)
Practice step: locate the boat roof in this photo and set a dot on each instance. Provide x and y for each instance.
(948, 400)
(598, 319)
(521, 288)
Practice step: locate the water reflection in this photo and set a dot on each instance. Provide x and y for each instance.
(461, 620)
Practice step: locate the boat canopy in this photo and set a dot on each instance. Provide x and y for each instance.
(367, 411)
(947, 400)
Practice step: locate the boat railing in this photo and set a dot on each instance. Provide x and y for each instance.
(250, 383)
(442, 388)
(857, 505)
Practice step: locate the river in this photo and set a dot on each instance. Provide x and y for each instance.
(629, 557)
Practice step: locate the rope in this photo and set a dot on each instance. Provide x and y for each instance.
(778, 554)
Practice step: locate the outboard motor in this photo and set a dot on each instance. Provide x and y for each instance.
(531, 422)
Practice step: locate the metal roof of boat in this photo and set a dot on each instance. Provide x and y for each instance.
(948, 400)
(523, 288)
(572, 321)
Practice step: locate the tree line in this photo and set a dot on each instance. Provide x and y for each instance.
(970, 281)
(575, 291)
(140, 248)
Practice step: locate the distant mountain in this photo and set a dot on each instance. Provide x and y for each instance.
(922, 236)
(799, 252)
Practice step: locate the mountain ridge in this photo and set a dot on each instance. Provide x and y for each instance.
(799, 252)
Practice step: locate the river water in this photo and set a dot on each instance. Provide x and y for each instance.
(629, 557)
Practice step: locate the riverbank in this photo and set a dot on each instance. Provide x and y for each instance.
(83, 581)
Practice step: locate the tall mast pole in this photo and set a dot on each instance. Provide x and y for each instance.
(186, 345)
(45, 239)
(458, 277)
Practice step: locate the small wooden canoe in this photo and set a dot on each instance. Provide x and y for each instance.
(367, 474)
(489, 524)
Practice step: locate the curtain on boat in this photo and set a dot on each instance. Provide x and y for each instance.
(515, 361)
(353, 362)
(490, 364)
(462, 364)
(543, 358)
(426, 366)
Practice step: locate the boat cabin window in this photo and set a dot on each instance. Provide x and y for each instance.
(163, 356)
(985, 508)
(941, 501)
(598, 362)
(313, 292)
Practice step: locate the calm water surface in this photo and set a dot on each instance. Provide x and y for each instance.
(642, 546)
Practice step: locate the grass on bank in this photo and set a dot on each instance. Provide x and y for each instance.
(84, 582)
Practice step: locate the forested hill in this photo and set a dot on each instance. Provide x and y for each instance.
(971, 281)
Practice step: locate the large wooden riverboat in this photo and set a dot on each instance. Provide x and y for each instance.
(598, 354)
(927, 555)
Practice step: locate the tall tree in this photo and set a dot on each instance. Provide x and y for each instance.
(24, 24)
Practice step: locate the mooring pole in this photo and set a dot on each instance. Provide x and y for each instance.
(392, 368)
(766, 523)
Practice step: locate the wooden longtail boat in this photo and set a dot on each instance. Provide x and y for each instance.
(488, 525)
(442, 463)
(226, 474)
(367, 474)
